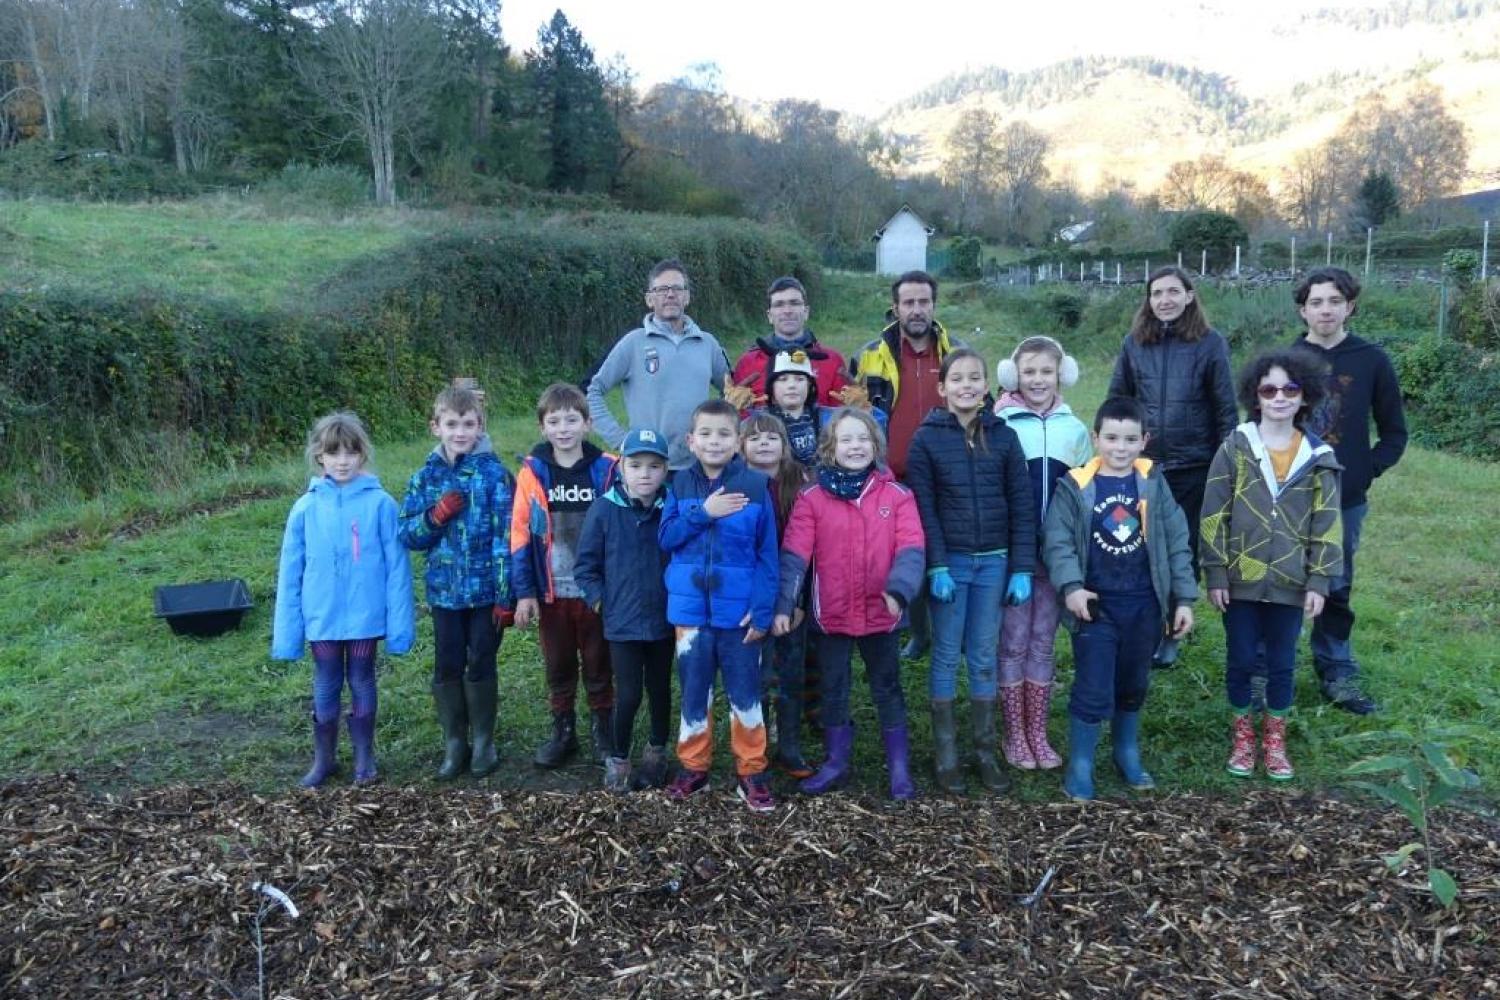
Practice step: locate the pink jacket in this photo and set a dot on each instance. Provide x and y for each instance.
(858, 550)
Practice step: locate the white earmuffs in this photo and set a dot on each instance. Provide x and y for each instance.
(1009, 376)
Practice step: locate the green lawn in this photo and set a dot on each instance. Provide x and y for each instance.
(216, 247)
(89, 681)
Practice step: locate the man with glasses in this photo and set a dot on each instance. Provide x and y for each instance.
(1361, 385)
(788, 313)
(666, 367)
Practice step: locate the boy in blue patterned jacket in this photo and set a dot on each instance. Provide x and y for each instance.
(719, 527)
(457, 510)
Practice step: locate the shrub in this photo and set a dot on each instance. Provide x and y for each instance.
(53, 170)
(304, 186)
(964, 255)
(1452, 393)
(1216, 232)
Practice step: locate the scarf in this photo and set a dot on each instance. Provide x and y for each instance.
(846, 484)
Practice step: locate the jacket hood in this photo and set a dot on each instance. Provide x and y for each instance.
(893, 330)
(736, 465)
(543, 453)
(362, 483)
(1349, 345)
(1085, 473)
(805, 341)
(1314, 452)
(481, 447)
(1014, 404)
(616, 495)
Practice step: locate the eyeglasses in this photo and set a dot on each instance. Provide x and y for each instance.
(667, 289)
(792, 304)
(1291, 391)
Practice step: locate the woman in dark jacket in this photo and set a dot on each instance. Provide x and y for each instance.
(1178, 367)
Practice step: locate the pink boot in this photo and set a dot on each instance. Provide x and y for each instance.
(1017, 750)
(1038, 702)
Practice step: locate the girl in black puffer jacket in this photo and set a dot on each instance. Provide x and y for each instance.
(973, 491)
(1178, 367)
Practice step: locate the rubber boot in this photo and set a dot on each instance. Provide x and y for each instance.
(1015, 705)
(1126, 733)
(945, 749)
(897, 762)
(325, 753)
(982, 719)
(789, 757)
(362, 737)
(835, 770)
(1078, 779)
(453, 717)
(562, 744)
(599, 735)
(482, 697)
(653, 770)
(1038, 699)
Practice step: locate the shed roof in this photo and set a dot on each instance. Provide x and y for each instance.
(907, 209)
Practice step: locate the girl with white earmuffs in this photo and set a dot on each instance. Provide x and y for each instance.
(1053, 441)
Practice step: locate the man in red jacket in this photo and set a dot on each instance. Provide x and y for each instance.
(788, 313)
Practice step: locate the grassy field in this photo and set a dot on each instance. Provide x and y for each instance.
(89, 681)
(217, 247)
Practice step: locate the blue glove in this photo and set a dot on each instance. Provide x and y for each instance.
(1018, 591)
(940, 583)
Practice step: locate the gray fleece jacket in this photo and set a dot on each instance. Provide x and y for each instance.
(664, 376)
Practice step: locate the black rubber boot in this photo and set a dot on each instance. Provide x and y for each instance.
(453, 717)
(481, 697)
(945, 748)
(991, 775)
(600, 736)
(563, 743)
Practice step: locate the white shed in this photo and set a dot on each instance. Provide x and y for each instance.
(901, 244)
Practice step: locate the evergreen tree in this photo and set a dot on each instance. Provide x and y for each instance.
(569, 90)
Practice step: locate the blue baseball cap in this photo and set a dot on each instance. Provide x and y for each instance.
(644, 441)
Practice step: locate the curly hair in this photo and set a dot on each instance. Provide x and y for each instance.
(828, 440)
(1301, 366)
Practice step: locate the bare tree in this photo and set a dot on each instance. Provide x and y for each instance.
(377, 64)
(1020, 171)
(972, 160)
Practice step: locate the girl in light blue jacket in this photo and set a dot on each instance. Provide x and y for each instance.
(344, 584)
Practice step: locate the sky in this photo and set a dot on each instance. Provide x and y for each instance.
(862, 57)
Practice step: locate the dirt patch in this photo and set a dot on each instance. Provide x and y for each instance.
(175, 746)
(143, 524)
(407, 893)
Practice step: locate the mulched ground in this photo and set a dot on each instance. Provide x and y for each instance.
(408, 892)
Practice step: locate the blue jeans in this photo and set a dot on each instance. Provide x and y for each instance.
(970, 624)
(1112, 656)
(1332, 656)
(1258, 628)
(882, 655)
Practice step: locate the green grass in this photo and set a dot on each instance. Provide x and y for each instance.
(89, 681)
(218, 247)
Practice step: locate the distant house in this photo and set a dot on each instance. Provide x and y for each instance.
(1078, 232)
(901, 244)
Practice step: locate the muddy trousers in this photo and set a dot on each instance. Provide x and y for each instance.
(571, 635)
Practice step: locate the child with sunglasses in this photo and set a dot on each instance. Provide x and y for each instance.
(1271, 542)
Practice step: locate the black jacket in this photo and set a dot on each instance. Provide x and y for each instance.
(620, 567)
(1361, 384)
(972, 499)
(1188, 392)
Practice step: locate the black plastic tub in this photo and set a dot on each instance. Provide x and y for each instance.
(212, 607)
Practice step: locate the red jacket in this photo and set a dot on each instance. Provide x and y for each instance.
(753, 370)
(859, 550)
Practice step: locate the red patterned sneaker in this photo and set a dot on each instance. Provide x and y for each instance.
(1278, 766)
(687, 784)
(755, 789)
(1242, 749)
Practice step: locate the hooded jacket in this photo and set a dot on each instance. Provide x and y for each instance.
(1065, 542)
(621, 567)
(973, 498)
(1361, 384)
(468, 559)
(343, 572)
(753, 369)
(878, 363)
(531, 517)
(857, 550)
(1262, 542)
(1053, 443)
(1188, 392)
(722, 567)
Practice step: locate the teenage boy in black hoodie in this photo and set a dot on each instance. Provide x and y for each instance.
(1361, 385)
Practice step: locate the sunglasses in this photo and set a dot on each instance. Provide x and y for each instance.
(1291, 391)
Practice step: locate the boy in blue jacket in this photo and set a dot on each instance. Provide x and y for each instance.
(457, 510)
(619, 569)
(719, 527)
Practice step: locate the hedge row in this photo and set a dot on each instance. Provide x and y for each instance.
(94, 388)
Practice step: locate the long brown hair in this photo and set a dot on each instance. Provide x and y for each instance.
(790, 475)
(974, 433)
(1190, 326)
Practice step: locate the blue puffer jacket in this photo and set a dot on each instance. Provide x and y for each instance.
(344, 574)
(468, 559)
(720, 567)
(620, 567)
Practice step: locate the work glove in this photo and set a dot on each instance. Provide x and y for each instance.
(447, 507)
(940, 583)
(741, 397)
(502, 616)
(1018, 591)
(854, 395)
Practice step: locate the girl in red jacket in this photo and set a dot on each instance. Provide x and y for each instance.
(860, 530)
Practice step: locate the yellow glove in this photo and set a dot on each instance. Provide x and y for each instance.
(741, 397)
(855, 395)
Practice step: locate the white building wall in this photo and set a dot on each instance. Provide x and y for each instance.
(903, 247)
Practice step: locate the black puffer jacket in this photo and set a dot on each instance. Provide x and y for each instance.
(972, 499)
(1188, 393)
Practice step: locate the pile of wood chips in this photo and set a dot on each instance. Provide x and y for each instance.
(415, 892)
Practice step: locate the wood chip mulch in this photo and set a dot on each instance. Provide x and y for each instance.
(412, 892)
